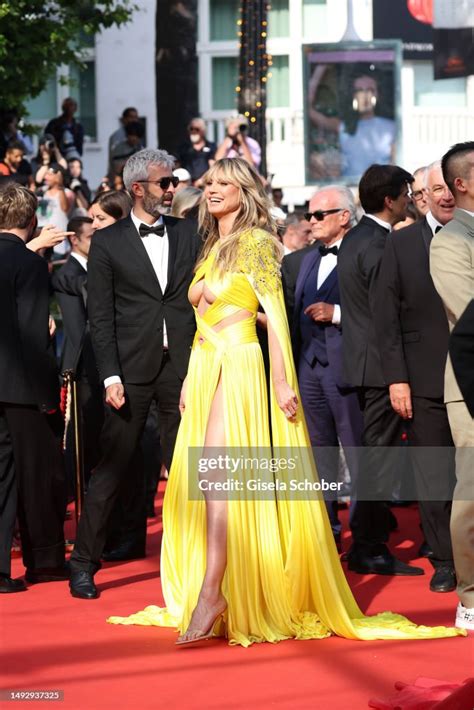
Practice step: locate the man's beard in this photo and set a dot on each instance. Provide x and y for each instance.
(154, 205)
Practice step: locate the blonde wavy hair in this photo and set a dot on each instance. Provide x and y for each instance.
(254, 212)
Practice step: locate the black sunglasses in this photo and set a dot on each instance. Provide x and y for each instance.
(319, 215)
(163, 182)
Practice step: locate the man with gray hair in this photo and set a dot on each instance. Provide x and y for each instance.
(142, 327)
(331, 407)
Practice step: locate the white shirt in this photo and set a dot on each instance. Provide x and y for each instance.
(81, 259)
(386, 225)
(433, 222)
(327, 264)
(157, 249)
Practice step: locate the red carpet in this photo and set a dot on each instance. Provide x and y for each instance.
(51, 641)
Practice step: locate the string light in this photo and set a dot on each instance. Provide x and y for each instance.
(254, 62)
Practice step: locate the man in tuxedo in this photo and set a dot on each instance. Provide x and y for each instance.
(384, 195)
(32, 483)
(142, 327)
(77, 353)
(413, 333)
(331, 408)
(451, 265)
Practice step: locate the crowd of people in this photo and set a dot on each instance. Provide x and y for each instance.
(197, 313)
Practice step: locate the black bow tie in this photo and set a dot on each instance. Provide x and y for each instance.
(437, 228)
(158, 229)
(324, 251)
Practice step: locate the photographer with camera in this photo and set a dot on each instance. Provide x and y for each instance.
(78, 184)
(237, 144)
(48, 156)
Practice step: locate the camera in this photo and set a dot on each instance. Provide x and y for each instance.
(243, 127)
(49, 145)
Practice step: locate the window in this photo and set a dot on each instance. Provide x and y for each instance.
(225, 72)
(83, 90)
(279, 19)
(224, 15)
(446, 92)
(278, 84)
(44, 107)
(314, 15)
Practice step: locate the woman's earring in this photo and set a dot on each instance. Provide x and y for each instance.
(373, 101)
(355, 104)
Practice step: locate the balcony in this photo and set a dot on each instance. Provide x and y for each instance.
(425, 135)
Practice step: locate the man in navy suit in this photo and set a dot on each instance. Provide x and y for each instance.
(331, 407)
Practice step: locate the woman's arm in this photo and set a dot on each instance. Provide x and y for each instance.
(63, 201)
(285, 396)
(330, 123)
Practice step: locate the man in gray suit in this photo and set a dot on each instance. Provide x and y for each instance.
(452, 269)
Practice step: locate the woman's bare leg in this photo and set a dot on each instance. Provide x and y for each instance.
(211, 601)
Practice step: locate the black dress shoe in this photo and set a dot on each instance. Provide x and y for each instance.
(48, 574)
(82, 585)
(443, 580)
(425, 550)
(9, 585)
(384, 564)
(123, 552)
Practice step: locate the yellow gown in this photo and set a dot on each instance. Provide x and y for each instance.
(283, 577)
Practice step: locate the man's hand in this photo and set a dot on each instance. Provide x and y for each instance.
(51, 326)
(321, 312)
(400, 398)
(115, 396)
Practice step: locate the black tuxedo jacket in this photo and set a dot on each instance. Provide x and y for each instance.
(461, 349)
(358, 263)
(77, 353)
(127, 307)
(410, 319)
(28, 373)
(290, 268)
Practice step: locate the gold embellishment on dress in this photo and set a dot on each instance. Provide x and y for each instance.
(257, 259)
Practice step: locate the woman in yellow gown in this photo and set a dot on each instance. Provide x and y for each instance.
(251, 566)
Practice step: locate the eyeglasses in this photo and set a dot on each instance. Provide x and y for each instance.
(319, 215)
(417, 195)
(163, 182)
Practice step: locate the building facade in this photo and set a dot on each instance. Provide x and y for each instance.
(120, 72)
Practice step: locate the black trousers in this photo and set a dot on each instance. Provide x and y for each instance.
(380, 462)
(432, 455)
(32, 486)
(120, 438)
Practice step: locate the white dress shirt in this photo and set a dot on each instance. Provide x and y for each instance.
(81, 259)
(327, 264)
(433, 222)
(157, 249)
(385, 225)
